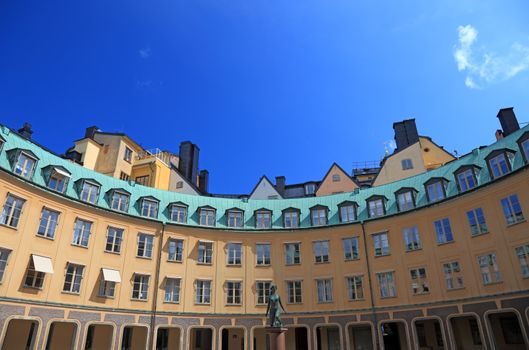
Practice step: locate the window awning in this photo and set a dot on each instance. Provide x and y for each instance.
(62, 172)
(111, 275)
(42, 264)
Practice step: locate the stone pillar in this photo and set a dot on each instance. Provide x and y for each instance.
(277, 337)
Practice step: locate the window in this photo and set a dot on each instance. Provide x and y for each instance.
(443, 231)
(143, 180)
(435, 191)
(124, 176)
(263, 219)
(412, 240)
(336, 178)
(12, 210)
(292, 253)
(235, 218)
(202, 292)
(291, 219)
(407, 164)
(524, 145)
(149, 208)
(81, 232)
(25, 165)
(114, 239)
(476, 220)
(405, 200)
(490, 272)
(72, 280)
(34, 278)
(262, 289)
(376, 207)
(318, 216)
(234, 253)
(381, 244)
(294, 292)
(207, 217)
(175, 250)
(466, 180)
(58, 180)
(321, 251)
(178, 213)
(310, 189)
(386, 282)
(140, 287)
(145, 243)
(350, 248)
(179, 184)
(172, 290)
(500, 165)
(4, 255)
(347, 212)
(324, 288)
(233, 295)
(128, 155)
(419, 283)
(107, 289)
(48, 223)
(89, 192)
(521, 252)
(205, 252)
(511, 209)
(263, 254)
(453, 275)
(355, 289)
(120, 201)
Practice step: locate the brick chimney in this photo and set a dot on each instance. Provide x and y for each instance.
(280, 185)
(203, 181)
(508, 121)
(25, 131)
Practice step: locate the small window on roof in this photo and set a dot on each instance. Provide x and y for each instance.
(263, 219)
(25, 164)
(89, 191)
(466, 178)
(178, 213)
(336, 178)
(235, 218)
(523, 143)
(347, 211)
(376, 206)
(207, 216)
(435, 190)
(120, 200)
(291, 218)
(318, 215)
(499, 162)
(405, 200)
(58, 180)
(149, 208)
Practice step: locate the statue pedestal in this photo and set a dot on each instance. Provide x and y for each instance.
(277, 337)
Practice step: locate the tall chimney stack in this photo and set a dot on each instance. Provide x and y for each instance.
(90, 132)
(405, 133)
(203, 181)
(25, 131)
(188, 163)
(280, 184)
(508, 121)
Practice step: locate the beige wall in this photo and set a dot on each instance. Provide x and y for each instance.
(90, 152)
(328, 186)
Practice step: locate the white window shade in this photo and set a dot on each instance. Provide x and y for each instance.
(42, 264)
(111, 275)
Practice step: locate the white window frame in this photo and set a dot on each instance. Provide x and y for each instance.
(140, 286)
(405, 201)
(12, 210)
(354, 252)
(347, 213)
(234, 254)
(178, 252)
(173, 289)
(508, 205)
(291, 219)
(321, 251)
(490, 271)
(294, 291)
(412, 238)
(235, 218)
(263, 219)
(436, 191)
(120, 201)
(262, 291)
(233, 292)
(145, 245)
(318, 216)
(205, 253)
(207, 216)
(48, 224)
(324, 291)
(149, 208)
(4, 258)
(263, 254)
(355, 287)
(381, 244)
(178, 213)
(387, 285)
(477, 226)
(21, 168)
(463, 180)
(73, 278)
(114, 239)
(376, 207)
(83, 235)
(419, 281)
(89, 192)
(294, 254)
(202, 292)
(522, 253)
(453, 275)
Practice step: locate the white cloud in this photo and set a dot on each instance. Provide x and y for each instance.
(145, 52)
(483, 66)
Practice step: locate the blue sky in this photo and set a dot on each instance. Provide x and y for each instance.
(264, 87)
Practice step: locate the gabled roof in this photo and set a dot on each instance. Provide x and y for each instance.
(271, 187)
(149, 197)
(327, 177)
(119, 189)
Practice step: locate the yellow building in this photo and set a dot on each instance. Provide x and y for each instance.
(439, 260)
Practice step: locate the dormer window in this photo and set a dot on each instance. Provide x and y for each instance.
(499, 162)
(310, 188)
(435, 189)
(347, 211)
(89, 191)
(318, 215)
(119, 200)
(376, 206)
(235, 217)
(263, 218)
(523, 143)
(149, 207)
(291, 218)
(466, 177)
(406, 198)
(207, 216)
(57, 178)
(178, 212)
(24, 162)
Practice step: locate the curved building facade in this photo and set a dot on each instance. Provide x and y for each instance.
(439, 260)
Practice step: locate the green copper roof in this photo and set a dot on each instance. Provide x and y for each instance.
(477, 157)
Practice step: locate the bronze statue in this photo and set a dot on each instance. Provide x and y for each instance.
(273, 311)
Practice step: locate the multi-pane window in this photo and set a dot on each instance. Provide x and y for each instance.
(81, 232)
(12, 210)
(233, 292)
(355, 288)
(4, 255)
(114, 239)
(235, 218)
(412, 241)
(25, 165)
(202, 292)
(145, 243)
(263, 253)
(490, 272)
(34, 278)
(128, 154)
(207, 217)
(72, 280)
(262, 289)
(466, 180)
(453, 275)
(419, 282)
(124, 176)
(376, 207)
(499, 165)
(407, 164)
(347, 213)
(405, 201)
(476, 220)
(143, 180)
(294, 292)
(149, 208)
(119, 201)
(263, 219)
(107, 289)
(292, 253)
(321, 251)
(205, 252)
(178, 213)
(89, 192)
(435, 191)
(140, 287)
(521, 252)
(291, 219)
(234, 253)
(386, 282)
(175, 250)
(48, 223)
(381, 244)
(172, 290)
(350, 248)
(58, 181)
(310, 189)
(443, 231)
(324, 289)
(336, 178)
(525, 147)
(318, 216)
(512, 209)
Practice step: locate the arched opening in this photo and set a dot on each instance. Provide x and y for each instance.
(328, 338)
(201, 338)
(394, 335)
(168, 338)
(61, 336)
(21, 334)
(467, 333)
(360, 337)
(99, 336)
(134, 338)
(232, 338)
(429, 334)
(506, 331)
